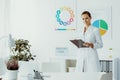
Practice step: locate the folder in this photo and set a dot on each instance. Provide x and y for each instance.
(78, 42)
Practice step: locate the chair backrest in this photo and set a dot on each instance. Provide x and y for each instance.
(52, 67)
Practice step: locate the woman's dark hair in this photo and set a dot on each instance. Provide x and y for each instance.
(87, 12)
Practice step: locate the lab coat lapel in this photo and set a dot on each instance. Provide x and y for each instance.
(89, 30)
(88, 33)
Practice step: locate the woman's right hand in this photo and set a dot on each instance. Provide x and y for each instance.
(88, 44)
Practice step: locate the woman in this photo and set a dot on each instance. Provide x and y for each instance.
(88, 60)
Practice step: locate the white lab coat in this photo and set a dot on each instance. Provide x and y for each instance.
(88, 60)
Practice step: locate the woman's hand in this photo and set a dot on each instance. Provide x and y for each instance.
(88, 45)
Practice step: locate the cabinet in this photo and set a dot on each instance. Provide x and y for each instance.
(106, 65)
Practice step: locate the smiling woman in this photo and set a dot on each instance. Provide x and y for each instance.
(88, 60)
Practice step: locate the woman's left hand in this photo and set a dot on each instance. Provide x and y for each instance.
(88, 44)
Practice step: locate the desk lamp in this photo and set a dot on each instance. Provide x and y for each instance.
(11, 43)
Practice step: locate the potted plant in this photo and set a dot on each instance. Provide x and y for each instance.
(21, 51)
(12, 69)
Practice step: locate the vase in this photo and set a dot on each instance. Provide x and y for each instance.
(12, 74)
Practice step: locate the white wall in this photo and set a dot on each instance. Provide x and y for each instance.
(34, 20)
(4, 15)
(1, 22)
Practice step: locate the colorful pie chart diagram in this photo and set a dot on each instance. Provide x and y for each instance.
(102, 25)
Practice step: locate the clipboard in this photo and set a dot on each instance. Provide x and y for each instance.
(78, 43)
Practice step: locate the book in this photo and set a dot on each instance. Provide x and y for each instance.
(78, 42)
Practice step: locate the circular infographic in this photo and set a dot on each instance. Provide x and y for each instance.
(68, 21)
(102, 25)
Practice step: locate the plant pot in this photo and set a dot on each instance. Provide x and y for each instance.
(26, 67)
(12, 74)
(23, 68)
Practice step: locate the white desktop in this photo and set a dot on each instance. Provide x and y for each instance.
(64, 76)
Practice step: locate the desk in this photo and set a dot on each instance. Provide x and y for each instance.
(68, 76)
(75, 76)
(4, 77)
